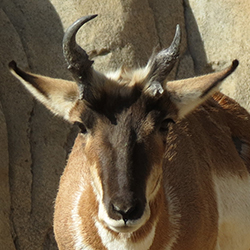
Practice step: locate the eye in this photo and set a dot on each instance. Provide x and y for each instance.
(83, 129)
(164, 127)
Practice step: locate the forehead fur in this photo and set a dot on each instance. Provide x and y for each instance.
(122, 83)
(123, 89)
(129, 77)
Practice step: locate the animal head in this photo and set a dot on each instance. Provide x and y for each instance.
(124, 119)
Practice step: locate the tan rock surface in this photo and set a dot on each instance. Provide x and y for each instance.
(218, 33)
(125, 32)
(30, 34)
(5, 222)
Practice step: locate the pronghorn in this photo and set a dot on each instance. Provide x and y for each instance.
(157, 164)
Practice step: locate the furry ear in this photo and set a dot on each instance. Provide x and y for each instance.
(59, 96)
(187, 94)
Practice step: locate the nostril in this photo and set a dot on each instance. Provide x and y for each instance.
(132, 213)
(128, 212)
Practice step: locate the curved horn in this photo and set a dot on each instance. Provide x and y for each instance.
(174, 48)
(169, 55)
(164, 61)
(76, 58)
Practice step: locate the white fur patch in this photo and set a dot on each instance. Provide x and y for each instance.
(114, 75)
(133, 76)
(233, 195)
(77, 221)
(123, 242)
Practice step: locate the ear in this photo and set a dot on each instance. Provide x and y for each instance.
(187, 94)
(59, 96)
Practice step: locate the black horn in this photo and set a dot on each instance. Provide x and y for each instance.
(77, 58)
(164, 61)
(174, 48)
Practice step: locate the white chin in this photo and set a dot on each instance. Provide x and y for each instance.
(124, 228)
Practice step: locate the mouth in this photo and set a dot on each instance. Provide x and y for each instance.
(124, 226)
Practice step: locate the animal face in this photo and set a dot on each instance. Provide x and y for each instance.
(125, 137)
(124, 119)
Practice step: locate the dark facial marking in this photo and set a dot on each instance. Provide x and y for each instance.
(109, 103)
(88, 118)
(238, 144)
(125, 161)
(243, 148)
(124, 177)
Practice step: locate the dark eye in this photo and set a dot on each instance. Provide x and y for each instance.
(165, 125)
(82, 128)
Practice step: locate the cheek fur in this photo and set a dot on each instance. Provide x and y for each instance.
(156, 151)
(96, 182)
(91, 150)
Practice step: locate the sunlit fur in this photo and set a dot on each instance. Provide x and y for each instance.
(181, 157)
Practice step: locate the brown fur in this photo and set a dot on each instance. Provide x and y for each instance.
(198, 222)
(136, 148)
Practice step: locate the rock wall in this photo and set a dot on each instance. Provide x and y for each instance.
(217, 33)
(33, 144)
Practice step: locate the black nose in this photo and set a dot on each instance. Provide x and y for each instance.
(126, 210)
